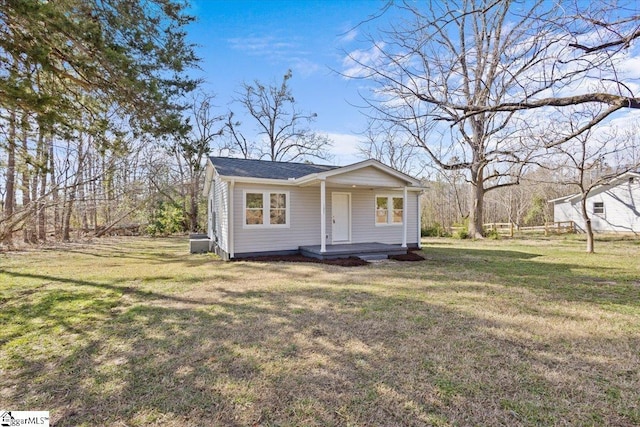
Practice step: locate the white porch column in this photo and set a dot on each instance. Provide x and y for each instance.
(419, 221)
(323, 216)
(404, 217)
(232, 220)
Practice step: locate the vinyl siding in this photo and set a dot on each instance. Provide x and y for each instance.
(369, 177)
(220, 194)
(364, 228)
(304, 220)
(621, 209)
(564, 211)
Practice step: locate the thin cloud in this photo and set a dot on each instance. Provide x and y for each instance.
(262, 46)
(358, 63)
(277, 51)
(349, 36)
(345, 148)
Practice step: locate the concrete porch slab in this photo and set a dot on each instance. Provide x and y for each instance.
(360, 250)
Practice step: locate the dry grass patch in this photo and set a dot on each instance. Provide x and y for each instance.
(138, 332)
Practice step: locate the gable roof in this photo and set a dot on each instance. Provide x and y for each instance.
(290, 173)
(264, 169)
(624, 177)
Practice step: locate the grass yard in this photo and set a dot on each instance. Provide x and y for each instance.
(137, 332)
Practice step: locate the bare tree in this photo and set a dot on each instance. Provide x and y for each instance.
(593, 159)
(391, 147)
(191, 152)
(462, 78)
(284, 129)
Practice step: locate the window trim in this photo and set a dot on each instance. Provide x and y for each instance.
(266, 209)
(599, 210)
(389, 222)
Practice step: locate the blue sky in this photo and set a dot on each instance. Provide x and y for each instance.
(246, 40)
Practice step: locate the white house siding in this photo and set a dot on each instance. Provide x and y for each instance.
(621, 209)
(363, 225)
(220, 194)
(369, 177)
(565, 211)
(304, 219)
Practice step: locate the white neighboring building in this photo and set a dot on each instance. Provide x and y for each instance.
(612, 207)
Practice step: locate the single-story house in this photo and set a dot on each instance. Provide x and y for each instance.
(612, 207)
(258, 207)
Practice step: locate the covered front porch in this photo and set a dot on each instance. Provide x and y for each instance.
(367, 251)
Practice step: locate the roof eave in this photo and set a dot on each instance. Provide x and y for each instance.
(360, 165)
(252, 180)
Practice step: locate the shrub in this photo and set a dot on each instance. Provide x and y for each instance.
(461, 234)
(462, 230)
(434, 230)
(492, 234)
(166, 218)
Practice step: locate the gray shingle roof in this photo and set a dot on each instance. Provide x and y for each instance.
(265, 169)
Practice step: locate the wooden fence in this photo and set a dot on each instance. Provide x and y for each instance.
(511, 229)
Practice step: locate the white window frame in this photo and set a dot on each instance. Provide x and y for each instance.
(390, 198)
(266, 209)
(600, 210)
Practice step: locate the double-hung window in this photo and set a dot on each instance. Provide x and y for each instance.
(389, 210)
(266, 209)
(598, 208)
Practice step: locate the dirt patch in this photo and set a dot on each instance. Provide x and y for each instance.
(343, 262)
(409, 256)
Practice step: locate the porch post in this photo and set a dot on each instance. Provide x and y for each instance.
(323, 216)
(232, 220)
(404, 217)
(419, 221)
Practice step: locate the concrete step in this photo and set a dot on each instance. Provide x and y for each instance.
(373, 257)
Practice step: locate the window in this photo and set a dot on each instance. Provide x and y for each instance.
(382, 210)
(389, 210)
(598, 208)
(278, 208)
(254, 209)
(398, 204)
(265, 208)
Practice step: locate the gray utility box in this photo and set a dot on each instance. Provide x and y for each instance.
(198, 243)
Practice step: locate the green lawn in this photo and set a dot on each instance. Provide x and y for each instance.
(138, 332)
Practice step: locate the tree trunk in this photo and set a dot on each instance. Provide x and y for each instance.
(34, 188)
(587, 225)
(10, 196)
(93, 218)
(107, 189)
(71, 197)
(55, 194)
(82, 205)
(476, 214)
(42, 219)
(28, 230)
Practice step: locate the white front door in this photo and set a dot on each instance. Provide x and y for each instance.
(340, 217)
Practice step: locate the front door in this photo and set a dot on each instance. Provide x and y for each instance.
(341, 217)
